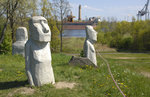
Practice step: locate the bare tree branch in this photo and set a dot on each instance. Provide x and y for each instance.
(3, 32)
(61, 8)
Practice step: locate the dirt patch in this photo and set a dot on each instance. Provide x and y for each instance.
(124, 58)
(61, 85)
(1, 70)
(24, 90)
(146, 74)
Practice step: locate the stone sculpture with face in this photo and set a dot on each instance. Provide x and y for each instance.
(91, 34)
(21, 39)
(39, 29)
(37, 53)
(89, 50)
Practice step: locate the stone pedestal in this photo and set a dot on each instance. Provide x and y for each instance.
(80, 61)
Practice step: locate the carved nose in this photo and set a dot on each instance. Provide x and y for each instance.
(45, 27)
(46, 31)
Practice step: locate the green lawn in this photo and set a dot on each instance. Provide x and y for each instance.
(128, 69)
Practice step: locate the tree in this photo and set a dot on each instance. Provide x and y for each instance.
(8, 8)
(14, 10)
(26, 8)
(46, 9)
(61, 9)
(55, 41)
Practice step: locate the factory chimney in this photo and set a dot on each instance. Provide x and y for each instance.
(79, 19)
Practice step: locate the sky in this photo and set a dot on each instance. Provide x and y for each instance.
(119, 9)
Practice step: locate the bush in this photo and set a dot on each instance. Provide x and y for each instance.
(55, 41)
(6, 46)
(133, 36)
(126, 43)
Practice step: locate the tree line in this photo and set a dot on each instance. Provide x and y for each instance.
(15, 13)
(125, 36)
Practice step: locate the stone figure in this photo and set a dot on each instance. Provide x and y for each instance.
(37, 53)
(89, 50)
(21, 39)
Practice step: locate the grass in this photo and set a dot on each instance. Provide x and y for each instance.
(92, 82)
(138, 62)
(75, 45)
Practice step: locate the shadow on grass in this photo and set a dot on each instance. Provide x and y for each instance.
(12, 84)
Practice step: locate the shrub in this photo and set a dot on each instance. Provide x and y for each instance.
(133, 36)
(6, 46)
(55, 41)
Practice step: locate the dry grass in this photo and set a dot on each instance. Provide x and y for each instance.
(103, 48)
(23, 90)
(146, 74)
(130, 58)
(61, 85)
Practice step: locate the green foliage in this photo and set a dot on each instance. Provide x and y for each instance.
(16, 14)
(82, 54)
(28, 8)
(6, 46)
(100, 38)
(46, 11)
(125, 43)
(133, 36)
(55, 42)
(46, 8)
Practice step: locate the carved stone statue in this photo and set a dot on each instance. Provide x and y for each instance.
(37, 53)
(21, 39)
(89, 50)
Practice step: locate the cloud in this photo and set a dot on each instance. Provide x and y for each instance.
(73, 5)
(123, 10)
(91, 8)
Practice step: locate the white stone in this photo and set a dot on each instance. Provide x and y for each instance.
(89, 50)
(37, 53)
(21, 39)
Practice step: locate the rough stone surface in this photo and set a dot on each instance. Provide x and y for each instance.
(89, 50)
(80, 61)
(37, 53)
(21, 39)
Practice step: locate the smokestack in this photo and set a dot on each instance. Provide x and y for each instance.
(79, 13)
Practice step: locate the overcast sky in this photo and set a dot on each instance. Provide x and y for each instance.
(120, 9)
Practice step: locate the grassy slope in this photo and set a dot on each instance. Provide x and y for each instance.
(91, 82)
(75, 45)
